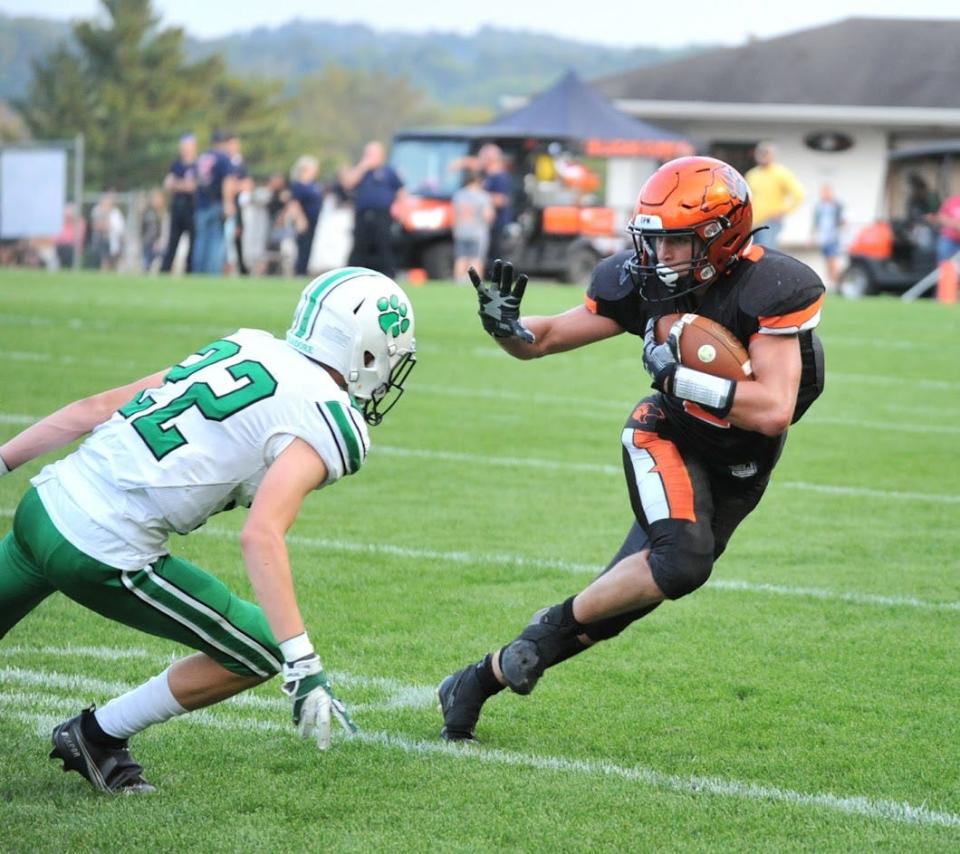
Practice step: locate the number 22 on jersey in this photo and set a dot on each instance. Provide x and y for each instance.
(155, 427)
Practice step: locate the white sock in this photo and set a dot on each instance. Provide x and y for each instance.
(150, 703)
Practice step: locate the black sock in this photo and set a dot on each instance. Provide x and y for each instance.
(571, 647)
(92, 730)
(488, 682)
(568, 617)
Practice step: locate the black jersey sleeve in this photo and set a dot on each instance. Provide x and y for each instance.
(783, 294)
(612, 293)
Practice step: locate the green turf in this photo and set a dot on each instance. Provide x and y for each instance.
(742, 718)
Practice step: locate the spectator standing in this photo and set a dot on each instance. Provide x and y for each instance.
(827, 223)
(66, 241)
(279, 225)
(921, 212)
(214, 203)
(107, 227)
(775, 192)
(375, 187)
(948, 218)
(306, 202)
(922, 202)
(243, 186)
(498, 184)
(473, 215)
(181, 183)
(151, 229)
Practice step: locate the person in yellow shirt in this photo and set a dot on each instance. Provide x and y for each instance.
(775, 192)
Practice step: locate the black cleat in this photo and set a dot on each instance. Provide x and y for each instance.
(111, 770)
(461, 699)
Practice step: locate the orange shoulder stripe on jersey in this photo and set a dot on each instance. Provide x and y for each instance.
(673, 473)
(794, 319)
(754, 253)
(590, 303)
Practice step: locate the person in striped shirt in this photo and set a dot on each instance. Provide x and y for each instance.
(248, 420)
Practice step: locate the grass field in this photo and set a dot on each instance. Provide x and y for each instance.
(806, 699)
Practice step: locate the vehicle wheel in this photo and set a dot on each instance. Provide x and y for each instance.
(579, 265)
(856, 282)
(438, 260)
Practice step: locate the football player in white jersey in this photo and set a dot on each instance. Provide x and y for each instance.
(247, 420)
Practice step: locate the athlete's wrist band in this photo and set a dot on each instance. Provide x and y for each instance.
(4, 468)
(297, 647)
(705, 389)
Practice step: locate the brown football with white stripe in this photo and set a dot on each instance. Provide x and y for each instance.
(707, 346)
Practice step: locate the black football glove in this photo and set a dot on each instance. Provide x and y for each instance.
(661, 360)
(500, 302)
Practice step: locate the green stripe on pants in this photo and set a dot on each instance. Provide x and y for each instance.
(178, 604)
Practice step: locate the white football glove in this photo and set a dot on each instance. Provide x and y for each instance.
(305, 683)
(3, 468)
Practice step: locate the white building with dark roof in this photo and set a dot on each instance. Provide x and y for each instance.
(835, 100)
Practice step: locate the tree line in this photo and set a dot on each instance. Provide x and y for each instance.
(126, 84)
(132, 87)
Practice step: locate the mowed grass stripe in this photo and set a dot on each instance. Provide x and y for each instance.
(899, 812)
(609, 469)
(524, 562)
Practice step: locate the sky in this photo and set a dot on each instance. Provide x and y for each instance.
(666, 24)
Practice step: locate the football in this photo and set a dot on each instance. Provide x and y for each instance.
(707, 346)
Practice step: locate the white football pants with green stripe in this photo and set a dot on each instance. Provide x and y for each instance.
(172, 598)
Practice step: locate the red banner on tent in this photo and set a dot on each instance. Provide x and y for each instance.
(657, 149)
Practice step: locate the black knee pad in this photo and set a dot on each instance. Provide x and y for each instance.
(679, 571)
(681, 555)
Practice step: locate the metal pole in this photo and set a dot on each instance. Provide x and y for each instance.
(921, 287)
(927, 282)
(78, 232)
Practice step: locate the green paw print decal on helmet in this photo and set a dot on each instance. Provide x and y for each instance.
(393, 315)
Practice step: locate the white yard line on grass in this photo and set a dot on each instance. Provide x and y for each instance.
(899, 812)
(397, 695)
(601, 468)
(463, 558)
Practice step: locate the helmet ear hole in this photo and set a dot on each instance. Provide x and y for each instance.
(368, 358)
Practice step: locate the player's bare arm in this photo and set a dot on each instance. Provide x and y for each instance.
(766, 406)
(294, 475)
(533, 337)
(558, 333)
(69, 423)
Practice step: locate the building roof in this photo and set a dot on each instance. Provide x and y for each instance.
(860, 62)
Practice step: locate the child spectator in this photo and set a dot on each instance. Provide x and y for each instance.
(473, 213)
(151, 229)
(827, 222)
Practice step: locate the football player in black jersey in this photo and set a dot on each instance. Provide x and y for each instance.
(698, 453)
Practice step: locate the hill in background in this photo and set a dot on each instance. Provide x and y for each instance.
(471, 71)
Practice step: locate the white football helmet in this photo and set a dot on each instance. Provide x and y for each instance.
(360, 323)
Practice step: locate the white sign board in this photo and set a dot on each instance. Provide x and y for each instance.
(32, 192)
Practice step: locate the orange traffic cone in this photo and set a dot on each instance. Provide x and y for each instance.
(947, 282)
(417, 276)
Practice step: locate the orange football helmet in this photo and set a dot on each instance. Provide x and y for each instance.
(703, 199)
